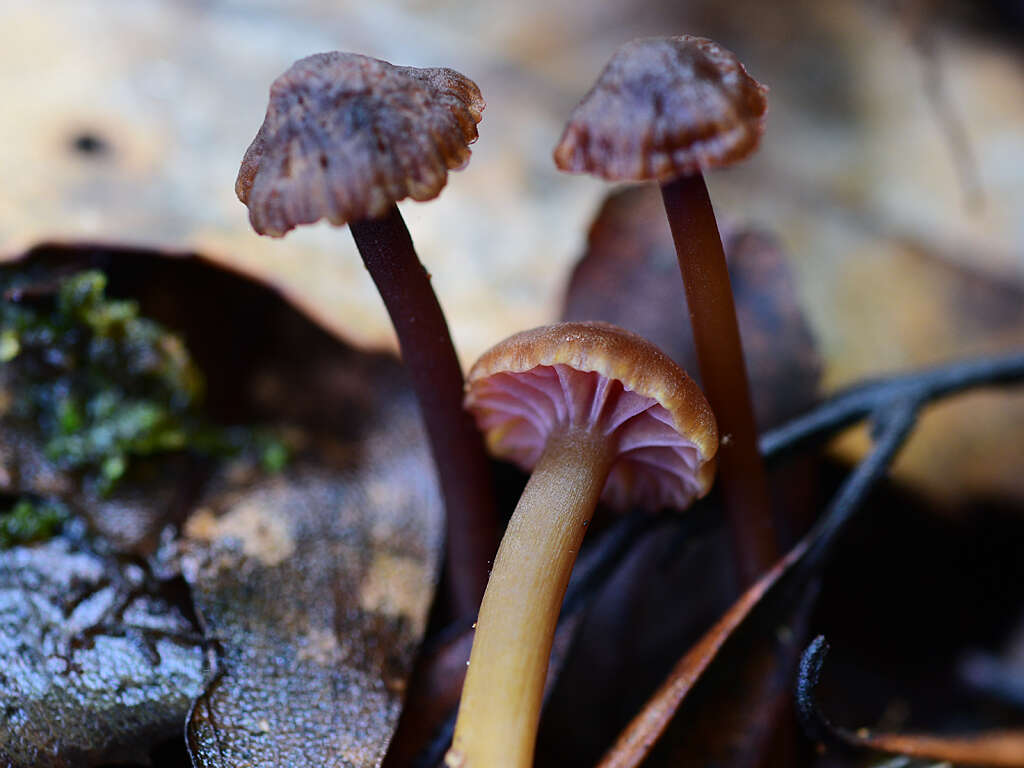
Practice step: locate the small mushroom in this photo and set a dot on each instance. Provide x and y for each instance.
(593, 410)
(345, 137)
(666, 109)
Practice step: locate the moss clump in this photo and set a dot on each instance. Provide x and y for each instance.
(28, 521)
(103, 385)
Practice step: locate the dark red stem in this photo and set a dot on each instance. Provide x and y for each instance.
(723, 373)
(458, 449)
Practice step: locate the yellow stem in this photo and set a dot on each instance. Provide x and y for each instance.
(501, 697)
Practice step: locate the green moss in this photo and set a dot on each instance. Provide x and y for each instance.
(103, 385)
(29, 521)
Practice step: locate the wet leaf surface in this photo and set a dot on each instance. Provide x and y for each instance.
(95, 664)
(317, 585)
(312, 583)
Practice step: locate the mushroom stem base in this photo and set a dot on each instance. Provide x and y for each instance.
(501, 698)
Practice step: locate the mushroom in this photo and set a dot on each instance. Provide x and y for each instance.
(345, 137)
(666, 109)
(593, 410)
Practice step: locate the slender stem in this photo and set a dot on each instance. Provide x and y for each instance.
(501, 698)
(427, 351)
(723, 373)
(603, 559)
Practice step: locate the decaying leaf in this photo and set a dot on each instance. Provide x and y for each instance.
(636, 742)
(317, 584)
(93, 666)
(629, 276)
(312, 582)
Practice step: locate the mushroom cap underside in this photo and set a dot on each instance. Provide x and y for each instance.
(346, 136)
(601, 378)
(664, 107)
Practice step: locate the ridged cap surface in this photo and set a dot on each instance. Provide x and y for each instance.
(346, 136)
(664, 107)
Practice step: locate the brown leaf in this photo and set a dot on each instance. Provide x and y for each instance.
(635, 742)
(314, 583)
(318, 585)
(629, 276)
(633, 632)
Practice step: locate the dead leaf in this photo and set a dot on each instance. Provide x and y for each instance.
(634, 743)
(314, 584)
(629, 276)
(317, 584)
(94, 666)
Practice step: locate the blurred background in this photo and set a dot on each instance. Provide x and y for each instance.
(891, 170)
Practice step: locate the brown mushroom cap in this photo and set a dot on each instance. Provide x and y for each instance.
(602, 378)
(664, 107)
(347, 136)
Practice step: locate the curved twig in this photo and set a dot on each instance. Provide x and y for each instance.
(992, 748)
(851, 405)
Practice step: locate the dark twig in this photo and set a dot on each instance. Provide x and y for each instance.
(892, 426)
(854, 404)
(987, 748)
(807, 677)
